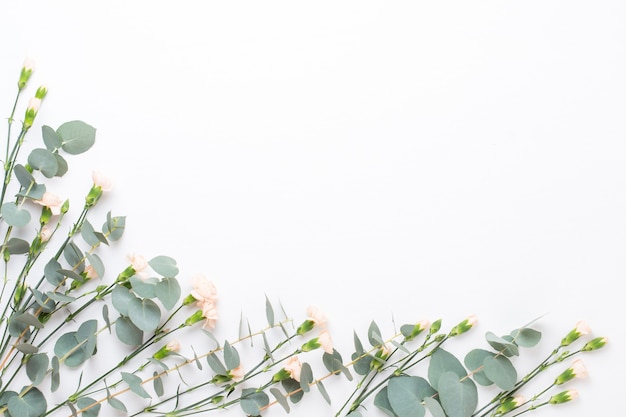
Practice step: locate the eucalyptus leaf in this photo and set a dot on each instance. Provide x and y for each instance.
(269, 311)
(121, 298)
(28, 319)
(157, 384)
(56, 296)
(526, 337)
(306, 377)
(51, 272)
(374, 335)
(404, 398)
(501, 371)
(144, 287)
(77, 347)
(145, 314)
(382, 402)
(37, 367)
(75, 257)
(442, 361)
(292, 387)
(168, 291)
(458, 395)
(24, 177)
(474, 361)
(15, 216)
(252, 401)
(502, 345)
(50, 138)
(61, 165)
(127, 332)
(216, 365)
(134, 383)
(55, 376)
(434, 407)
(164, 265)
(76, 136)
(17, 246)
(323, 391)
(89, 407)
(31, 404)
(96, 263)
(27, 348)
(231, 356)
(114, 227)
(117, 404)
(280, 398)
(43, 160)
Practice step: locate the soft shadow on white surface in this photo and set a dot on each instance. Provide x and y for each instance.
(405, 161)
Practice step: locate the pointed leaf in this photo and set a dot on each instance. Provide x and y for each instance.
(50, 138)
(280, 398)
(231, 356)
(134, 383)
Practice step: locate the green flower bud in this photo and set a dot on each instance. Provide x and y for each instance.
(581, 329)
(595, 344)
(281, 375)
(434, 328)
(563, 397)
(311, 345)
(305, 327)
(463, 326)
(27, 70)
(31, 112)
(577, 369)
(509, 403)
(194, 318)
(41, 92)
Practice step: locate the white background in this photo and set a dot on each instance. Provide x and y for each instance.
(381, 160)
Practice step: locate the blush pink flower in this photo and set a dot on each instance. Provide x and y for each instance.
(52, 201)
(237, 374)
(45, 234)
(316, 316)
(90, 272)
(326, 342)
(294, 367)
(137, 262)
(209, 312)
(173, 346)
(102, 181)
(203, 289)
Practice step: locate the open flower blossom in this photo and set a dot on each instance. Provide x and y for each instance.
(137, 262)
(316, 318)
(326, 341)
(90, 272)
(203, 289)
(209, 313)
(294, 367)
(102, 181)
(52, 201)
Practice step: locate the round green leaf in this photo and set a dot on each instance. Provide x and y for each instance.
(168, 292)
(24, 177)
(164, 265)
(526, 337)
(382, 402)
(404, 398)
(15, 216)
(441, 362)
(474, 361)
(144, 288)
(90, 407)
(44, 161)
(121, 298)
(145, 314)
(501, 371)
(36, 367)
(434, 407)
(61, 165)
(127, 332)
(252, 401)
(76, 137)
(50, 138)
(500, 344)
(17, 246)
(459, 397)
(32, 404)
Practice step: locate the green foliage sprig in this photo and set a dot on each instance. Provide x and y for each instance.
(51, 294)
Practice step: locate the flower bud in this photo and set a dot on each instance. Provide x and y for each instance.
(581, 329)
(594, 344)
(194, 318)
(20, 291)
(434, 328)
(509, 403)
(576, 370)
(305, 327)
(27, 70)
(418, 328)
(166, 350)
(41, 92)
(464, 326)
(563, 397)
(31, 112)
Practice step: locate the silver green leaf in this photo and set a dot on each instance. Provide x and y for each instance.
(157, 384)
(434, 407)
(458, 395)
(442, 361)
(404, 398)
(127, 332)
(474, 361)
(17, 246)
(50, 138)
(90, 407)
(280, 398)
(31, 404)
(76, 137)
(164, 265)
(134, 383)
(269, 311)
(252, 401)
(500, 344)
(382, 402)
(144, 314)
(96, 263)
(306, 377)
(231, 356)
(374, 335)
(37, 367)
(526, 337)
(501, 371)
(43, 160)
(168, 291)
(323, 391)
(216, 365)
(15, 216)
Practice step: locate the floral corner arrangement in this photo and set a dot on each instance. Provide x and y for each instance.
(59, 309)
